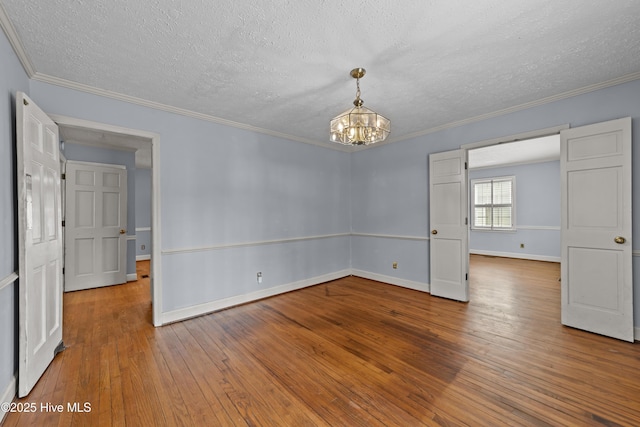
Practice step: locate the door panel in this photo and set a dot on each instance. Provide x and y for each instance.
(597, 283)
(449, 254)
(39, 242)
(96, 221)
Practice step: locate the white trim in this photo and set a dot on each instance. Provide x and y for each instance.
(156, 235)
(539, 227)
(635, 253)
(532, 257)
(156, 238)
(390, 236)
(128, 149)
(143, 257)
(246, 244)
(339, 147)
(15, 42)
(209, 307)
(418, 286)
(558, 97)
(491, 180)
(508, 165)
(132, 277)
(539, 133)
(180, 111)
(92, 164)
(131, 237)
(142, 229)
(8, 280)
(8, 395)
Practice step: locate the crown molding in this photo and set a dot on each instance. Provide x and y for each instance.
(15, 42)
(564, 95)
(338, 147)
(45, 78)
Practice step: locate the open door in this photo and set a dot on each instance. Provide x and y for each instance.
(39, 242)
(449, 243)
(596, 272)
(95, 226)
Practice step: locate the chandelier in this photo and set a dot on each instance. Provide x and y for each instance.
(359, 125)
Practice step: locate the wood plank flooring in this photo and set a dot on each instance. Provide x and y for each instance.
(350, 352)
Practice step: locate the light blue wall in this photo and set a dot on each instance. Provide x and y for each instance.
(388, 198)
(537, 213)
(223, 186)
(12, 79)
(143, 211)
(390, 182)
(84, 153)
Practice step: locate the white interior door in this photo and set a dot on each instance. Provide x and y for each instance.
(596, 273)
(449, 242)
(39, 241)
(95, 225)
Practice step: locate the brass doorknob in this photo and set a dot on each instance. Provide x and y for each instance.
(122, 231)
(619, 240)
(434, 231)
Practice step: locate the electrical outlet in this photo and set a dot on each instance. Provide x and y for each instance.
(395, 264)
(259, 277)
(142, 247)
(521, 245)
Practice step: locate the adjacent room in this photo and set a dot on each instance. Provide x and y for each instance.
(361, 213)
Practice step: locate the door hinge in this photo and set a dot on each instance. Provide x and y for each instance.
(63, 223)
(466, 276)
(466, 166)
(466, 221)
(63, 176)
(25, 102)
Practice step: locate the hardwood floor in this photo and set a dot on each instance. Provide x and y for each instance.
(351, 352)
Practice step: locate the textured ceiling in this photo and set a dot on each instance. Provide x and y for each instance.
(283, 66)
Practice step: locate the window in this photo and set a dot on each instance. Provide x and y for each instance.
(493, 206)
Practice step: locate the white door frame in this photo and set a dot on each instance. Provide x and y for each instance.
(156, 255)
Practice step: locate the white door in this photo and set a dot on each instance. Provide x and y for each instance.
(449, 242)
(596, 272)
(95, 225)
(39, 242)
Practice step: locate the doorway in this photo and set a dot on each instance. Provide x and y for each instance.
(596, 267)
(146, 147)
(514, 199)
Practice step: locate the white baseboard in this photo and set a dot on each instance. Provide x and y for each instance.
(209, 307)
(7, 396)
(418, 286)
(132, 277)
(143, 257)
(531, 257)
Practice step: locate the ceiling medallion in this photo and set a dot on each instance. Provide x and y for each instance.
(359, 125)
